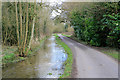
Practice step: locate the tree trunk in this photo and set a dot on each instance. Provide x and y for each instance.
(20, 8)
(23, 29)
(17, 26)
(5, 36)
(26, 29)
(36, 31)
(31, 34)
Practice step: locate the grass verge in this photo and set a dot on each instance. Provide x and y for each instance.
(109, 51)
(66, 35)
(69, 61)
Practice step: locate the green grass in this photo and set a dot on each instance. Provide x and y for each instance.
(113, 55)
(8, 58)
(69, 61)
(49, 73)
(8, 53)
(111, 52)
(66, 35)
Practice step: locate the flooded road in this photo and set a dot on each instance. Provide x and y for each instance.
(47, 63)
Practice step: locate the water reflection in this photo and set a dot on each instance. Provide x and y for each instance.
(48, 63)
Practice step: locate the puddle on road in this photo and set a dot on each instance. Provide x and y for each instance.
(48, 63)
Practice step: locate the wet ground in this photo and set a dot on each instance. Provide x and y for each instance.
(47, 63)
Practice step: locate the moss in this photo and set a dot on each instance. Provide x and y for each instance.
(49, 73)
(21, 58)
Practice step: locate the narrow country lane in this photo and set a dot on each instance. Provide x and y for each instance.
(90, 63)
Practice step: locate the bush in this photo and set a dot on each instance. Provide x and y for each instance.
(9, 56)
(99, 28)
